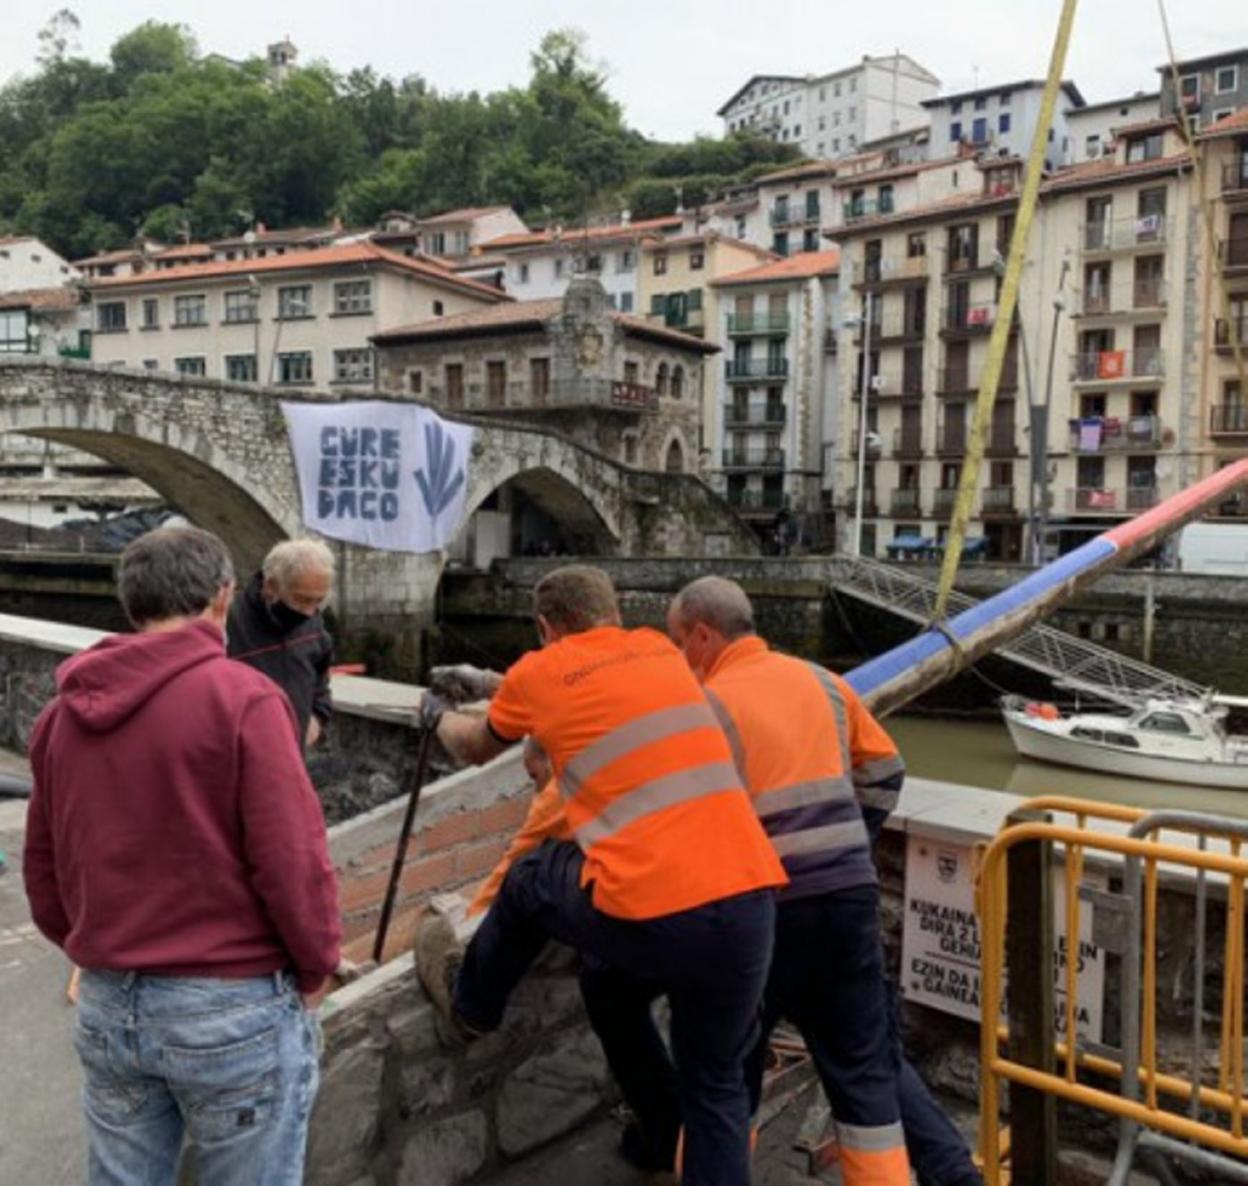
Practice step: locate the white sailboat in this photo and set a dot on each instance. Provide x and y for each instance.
(1177, 741)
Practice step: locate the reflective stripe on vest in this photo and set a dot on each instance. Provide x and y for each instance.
(804, 794)
(643, 730)
(877, 770)
(729, 726)
(873, 1139)
(850, 834)
(838, 710)
(654, 796)
(881, 798)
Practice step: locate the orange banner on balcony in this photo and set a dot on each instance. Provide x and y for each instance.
(1111, 364)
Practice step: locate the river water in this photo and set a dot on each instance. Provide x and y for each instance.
(980, 754)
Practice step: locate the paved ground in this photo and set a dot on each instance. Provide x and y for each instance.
(41, 1137)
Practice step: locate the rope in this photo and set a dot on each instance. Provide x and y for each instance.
(1006, 305)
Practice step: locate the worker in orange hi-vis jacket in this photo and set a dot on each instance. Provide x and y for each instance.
(668, 872)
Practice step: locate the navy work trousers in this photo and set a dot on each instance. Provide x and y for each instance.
(711, 962)
(804, 963)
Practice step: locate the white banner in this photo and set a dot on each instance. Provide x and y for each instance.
(388, 475)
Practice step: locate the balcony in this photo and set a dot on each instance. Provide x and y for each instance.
(767, 501)
(521, 398)
(1124, 234)
(852, 211)
(1141, 497)
(1001, 441)
(875, 447)
(998, 500)
(957, 382)
(1233, 254)
(1228, 333)
(950, 440)
(1112, 366)
(1235, 178)
(743, 325)
(1228, 420)
(889, 270)
(1136, 433)
(908, 441)
(969, 320)
(786, 216)
(677, 316)
(754, 459)
(1092, 498)
(1139, 296)
(906, 502)
(943, 503)
(770, 415)
(750, 369)
(894, 326)
(869, 507)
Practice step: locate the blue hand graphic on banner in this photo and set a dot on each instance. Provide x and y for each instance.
(439, 488)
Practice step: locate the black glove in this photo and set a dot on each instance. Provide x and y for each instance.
(432, 706)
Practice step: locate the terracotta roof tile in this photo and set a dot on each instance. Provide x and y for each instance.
(185, 251)
(572, 234)
(466, 214)
(705, 238)
(1228, 125)
(796, 267)
(52, 300)
(318, 257)
(1107, 169)
(110, 257)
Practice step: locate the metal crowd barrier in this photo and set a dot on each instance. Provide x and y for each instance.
(1196, 1118)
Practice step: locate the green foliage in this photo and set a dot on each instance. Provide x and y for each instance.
(166, 142)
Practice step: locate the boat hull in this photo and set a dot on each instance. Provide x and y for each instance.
(1033, 740)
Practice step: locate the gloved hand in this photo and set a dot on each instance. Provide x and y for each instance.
(462, 683)
(432, 706)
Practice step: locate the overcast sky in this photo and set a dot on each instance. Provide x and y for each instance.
(672, 63)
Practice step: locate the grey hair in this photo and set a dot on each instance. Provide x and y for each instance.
(293, 556)
(172, 572)
(716, 602)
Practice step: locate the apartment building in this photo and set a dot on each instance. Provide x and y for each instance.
(1114, 239)
(1002, 120)
(833, 115)
(27, 262)
(1210, 88)
(776, 394)
(1093, 127)
(674, 289)
(451, 236)
(299, 319)
(1223, 327)
(793, 207)
(541, 264)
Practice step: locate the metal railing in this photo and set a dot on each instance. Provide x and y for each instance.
(908, 441)
(906, 500)
(756, 368)
(1229, 419)
(896, 323)
(852, 210)
(1123, 298)
(1107, 366)
(951, 439)
(759, 416)
(1192, 1110)
(757, 500)
(869, 506)
(753, 459)
(780, 216)
(886, 269)
(1141, 498)
(969, 319)
(1235, 176)
(1091, 498)
(1230, 330)
(1070, 661)
(998, 500)
(943, 502)
(758, 323)
(1136, 432)
(1124, 233)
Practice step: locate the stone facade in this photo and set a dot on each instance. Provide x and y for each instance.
(602, 379)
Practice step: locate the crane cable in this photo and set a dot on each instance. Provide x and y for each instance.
(1007, 302)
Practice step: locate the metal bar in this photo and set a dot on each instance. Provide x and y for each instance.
(1234, 974)
(1149, 1045)
(1198, 987)
(1228, 1170)
(1074, 875)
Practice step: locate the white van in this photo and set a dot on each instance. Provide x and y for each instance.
(1219, 549)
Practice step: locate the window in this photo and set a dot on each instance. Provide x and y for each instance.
(693, 300)
(524, 273)
(151, 364)
(415, 382)
(1144, 148)
(354, 365)
(593, 264)
(454, 384)
(955, 132)
(438, 308)
(981, 102)
(853, 84)
(294, 301)
(797, 131)
(696, 261)
(190, 310)
(1189, 87)
(1226, 80)
(851, 115)
(627, 261)
(916, 244)
(780, 243)
(1003, 122)
(151, 313)
(626, 302)
(678, 381)
(836, 147)
(1092, 146)
(1221, 114)
(110, 318)
(496, 383)
(539, 379)
(979, 131)
(836, 119)
(955, 108)
(1165, 722)
(240, 368)
(242, 305)
(353, 296)
(1005, 98)
(660, 379)
(295, 367)
(836, 90)
(786, 107)
(193, 365)
(660, 265)
(14, 331)
(559, 269)
(810, 240)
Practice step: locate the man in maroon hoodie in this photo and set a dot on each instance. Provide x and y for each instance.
(176, 851)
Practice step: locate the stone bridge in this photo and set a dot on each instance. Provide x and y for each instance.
(219, 453)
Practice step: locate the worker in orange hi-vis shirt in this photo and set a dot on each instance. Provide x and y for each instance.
(668, 873)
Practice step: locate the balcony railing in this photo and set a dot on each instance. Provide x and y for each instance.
(852, 211)
(970, 319)
(781, 216)
(1235, 176)
(1141, 294)
(875, 447)
(894, 324)
(1141, 498)
(1092, 498)
(943, 502)
(1122, 234)
(869, 506)
(757, 500)
(753, 459)
(1115, 436)
(906, 500)
(742, 324)
(522, 397)
(998, 500)
(1001, 441)
(1228, 331)
(741, 370)
(1107, 366)
(950, 440)
(1228, 420)
(831, 340)
(1234, 252)
(908, 441)
(758, 416)
(889, 268)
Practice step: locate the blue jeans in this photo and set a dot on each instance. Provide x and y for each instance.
(711, 961)
(229, 1064)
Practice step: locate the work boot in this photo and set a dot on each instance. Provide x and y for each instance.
(439, 953)
(644, 1152)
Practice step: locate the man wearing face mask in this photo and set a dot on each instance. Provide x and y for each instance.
(275, 626)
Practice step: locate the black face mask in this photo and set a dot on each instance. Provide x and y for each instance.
(287, 618)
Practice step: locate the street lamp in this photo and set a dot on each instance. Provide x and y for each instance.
(1039, 452)
(864, 389)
